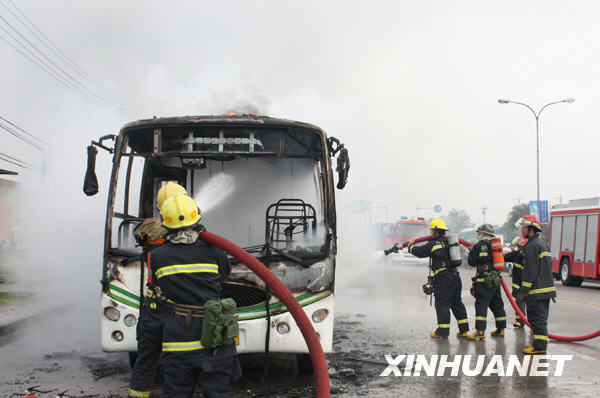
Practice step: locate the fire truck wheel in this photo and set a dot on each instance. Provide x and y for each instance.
(565, 274)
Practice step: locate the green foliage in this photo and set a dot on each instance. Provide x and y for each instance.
(457, 220)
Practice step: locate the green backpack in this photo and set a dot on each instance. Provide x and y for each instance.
(220, 324)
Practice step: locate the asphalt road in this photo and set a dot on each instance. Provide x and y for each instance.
(380, 310)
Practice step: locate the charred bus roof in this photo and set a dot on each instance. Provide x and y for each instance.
(202, 133)
(219, 120)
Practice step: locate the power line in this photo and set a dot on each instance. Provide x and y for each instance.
(72, 81)
(20, 136)
(17, 162)
(53, 47)
(60, 79)
(23, 130)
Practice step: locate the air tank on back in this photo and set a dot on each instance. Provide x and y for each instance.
(454, 247)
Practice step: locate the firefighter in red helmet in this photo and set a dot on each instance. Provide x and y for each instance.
(538, 284)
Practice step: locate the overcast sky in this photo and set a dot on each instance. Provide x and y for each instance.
(410, 86)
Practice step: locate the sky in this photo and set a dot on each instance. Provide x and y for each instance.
(411, 87)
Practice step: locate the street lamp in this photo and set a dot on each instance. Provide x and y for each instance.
(537, 131)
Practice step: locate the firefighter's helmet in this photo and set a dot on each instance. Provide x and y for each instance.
(529, 221)
(485, 229)
(180, 211)
(438, 224)
(167, 191)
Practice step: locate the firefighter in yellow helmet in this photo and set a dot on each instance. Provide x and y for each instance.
(447, 285)
(154, 311)
(189, 273)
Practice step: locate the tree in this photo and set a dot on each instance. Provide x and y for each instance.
(509, 229)
(458, 220)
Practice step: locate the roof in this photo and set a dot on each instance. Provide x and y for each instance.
(8, 172)
(242, 120)
(578, 205)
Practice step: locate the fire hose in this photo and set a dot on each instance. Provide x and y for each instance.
(282, 292)
(512, 301)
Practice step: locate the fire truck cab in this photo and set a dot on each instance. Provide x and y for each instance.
(574, 241)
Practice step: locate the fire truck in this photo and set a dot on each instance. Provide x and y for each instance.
(384, 235)
(409, 228)
(574, 241)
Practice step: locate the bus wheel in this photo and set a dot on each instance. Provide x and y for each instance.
(304, 363)
(132, 358)
(565, 274)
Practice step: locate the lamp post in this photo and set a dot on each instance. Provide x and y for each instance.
(537, 132)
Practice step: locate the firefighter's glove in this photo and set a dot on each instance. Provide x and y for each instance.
(149, 230)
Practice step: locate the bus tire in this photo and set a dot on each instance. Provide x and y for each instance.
(132, 358)
(304, 363)
(565, 274)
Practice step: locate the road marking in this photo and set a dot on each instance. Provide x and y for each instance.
(578, 301)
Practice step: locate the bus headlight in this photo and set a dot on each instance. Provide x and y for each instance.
(129, 320)
(319, 315)
(112, 313)
(283, 328)
(117, 335)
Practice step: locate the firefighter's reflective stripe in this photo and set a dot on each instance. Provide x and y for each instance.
(186, 269)
(480, 280)
(545, 254)
(515, 286)
(481, 318)
(139, 394)
(527, 284)
(437, 271)
(517, 265)
(483, 254)
(461, 321)
(410, 248)
(437, 247)
(183, 346)
(501, 318)
(543, 290)
(540, 337)
(444, 325)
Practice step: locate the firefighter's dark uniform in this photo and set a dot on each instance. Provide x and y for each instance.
(153, 314)
(481, 257)
(516, 258)
(191, 274)
(447, 285)
(538, 288)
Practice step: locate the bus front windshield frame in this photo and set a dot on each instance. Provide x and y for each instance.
(234, 191)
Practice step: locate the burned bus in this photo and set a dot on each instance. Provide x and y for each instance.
(266, 184)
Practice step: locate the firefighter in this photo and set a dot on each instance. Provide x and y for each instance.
(516, 258)
(189, 273)
(538, 284)
(447, 284)
(153, 312)
(486, 285)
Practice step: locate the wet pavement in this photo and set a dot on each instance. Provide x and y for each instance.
(380, 310)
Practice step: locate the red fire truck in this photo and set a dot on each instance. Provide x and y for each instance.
(409, 228)
(574, 241)
(384, 235)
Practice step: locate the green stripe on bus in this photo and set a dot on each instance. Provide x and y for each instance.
(122, 300)
(125, 292)
(273, 306)
(263, 312)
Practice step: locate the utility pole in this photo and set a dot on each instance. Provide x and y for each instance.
(560, 199)
(518, 199)
(483, 211)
